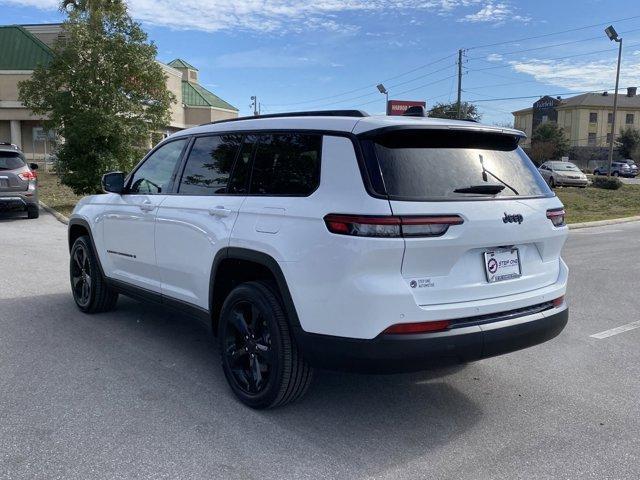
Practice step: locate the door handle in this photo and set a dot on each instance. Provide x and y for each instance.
(220, 211)
(147, 206)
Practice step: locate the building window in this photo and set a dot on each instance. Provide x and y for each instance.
(609, 118)
(593, 117)
(545, 118)
(608, 138)
(592, 140)
(629, 119)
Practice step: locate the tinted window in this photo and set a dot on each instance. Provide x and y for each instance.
(11, 160)
(242, 170)
(432, 165)
(155, 174)
(286, 164)
(209, 165)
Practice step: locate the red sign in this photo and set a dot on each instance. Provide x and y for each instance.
(398, 107)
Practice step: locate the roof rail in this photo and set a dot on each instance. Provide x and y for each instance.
(318, 113)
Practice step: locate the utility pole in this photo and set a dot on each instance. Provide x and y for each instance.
(254, 104)
(613, 36)
(459, 103)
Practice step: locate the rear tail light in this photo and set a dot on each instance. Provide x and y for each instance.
(558, 302)
(422, 327)
(29, 175)
(391, 226)
(556, 216)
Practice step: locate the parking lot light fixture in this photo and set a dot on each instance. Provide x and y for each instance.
(384, 91)
(613, 36)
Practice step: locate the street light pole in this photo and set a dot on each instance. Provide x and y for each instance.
(613, 36)
(384, 91)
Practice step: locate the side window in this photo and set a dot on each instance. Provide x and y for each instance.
(240, 178)
(209, 165)
(286, 164)
(155, 174)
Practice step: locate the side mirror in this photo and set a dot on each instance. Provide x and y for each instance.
(33, 166)
(113, 182)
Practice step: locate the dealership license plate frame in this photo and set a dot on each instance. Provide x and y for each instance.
(511, 271)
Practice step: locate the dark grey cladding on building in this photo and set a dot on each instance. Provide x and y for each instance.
(544, 110)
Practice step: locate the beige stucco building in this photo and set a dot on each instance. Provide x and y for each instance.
(586, 119)
(25, 46)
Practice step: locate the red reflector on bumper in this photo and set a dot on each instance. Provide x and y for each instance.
(421, 327)
(558, 301)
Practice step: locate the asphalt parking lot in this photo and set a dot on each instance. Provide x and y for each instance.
(138, 392)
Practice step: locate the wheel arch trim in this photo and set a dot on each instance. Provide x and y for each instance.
(261, 258)
(78, 221)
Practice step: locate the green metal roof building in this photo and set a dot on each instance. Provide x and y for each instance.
(24, 47)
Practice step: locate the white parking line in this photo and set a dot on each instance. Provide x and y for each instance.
(617, 330)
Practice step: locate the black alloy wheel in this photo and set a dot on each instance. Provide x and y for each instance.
(90, 290)
(260, 358)
(81, 281)
(248, 348)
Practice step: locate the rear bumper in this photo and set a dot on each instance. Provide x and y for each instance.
(17, 201)
(406, 353)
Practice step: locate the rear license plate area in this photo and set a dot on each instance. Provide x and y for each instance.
(502, 264)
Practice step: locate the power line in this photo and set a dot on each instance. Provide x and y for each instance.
(495, 99)
(329, 97)
(544, 47)
(556, 58)
(391, 86)
(416, 88)
(554, 33)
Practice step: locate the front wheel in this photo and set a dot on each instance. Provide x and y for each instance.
(552, 182)
(615, 174)
(260, 358)
(90, 291)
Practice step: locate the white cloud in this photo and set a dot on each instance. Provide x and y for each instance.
(579, 76)
(279, 16)
(494, 57)
(496, 13)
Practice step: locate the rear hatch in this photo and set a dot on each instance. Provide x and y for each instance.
(12, 164)
(505, 244)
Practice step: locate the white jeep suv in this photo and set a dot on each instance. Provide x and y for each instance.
(332, 240)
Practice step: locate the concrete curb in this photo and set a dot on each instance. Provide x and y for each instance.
(602, 223)
(60, 217)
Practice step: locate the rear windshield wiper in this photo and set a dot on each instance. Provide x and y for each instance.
(486, 189)
(484, 177)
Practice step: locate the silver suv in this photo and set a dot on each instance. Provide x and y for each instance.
(18, 182)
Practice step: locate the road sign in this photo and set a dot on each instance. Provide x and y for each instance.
(398, 107)
(40, 134)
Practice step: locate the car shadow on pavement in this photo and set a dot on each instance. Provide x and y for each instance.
(10, 216)
(361, 425)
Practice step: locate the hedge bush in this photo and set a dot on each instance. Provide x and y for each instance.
(608, 183)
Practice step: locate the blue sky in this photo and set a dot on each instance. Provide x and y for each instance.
(320, 54)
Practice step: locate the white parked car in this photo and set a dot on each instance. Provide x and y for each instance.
(333, 240)
(557, 173)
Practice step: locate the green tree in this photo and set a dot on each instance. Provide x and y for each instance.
(628, 143)
(103, 92)
(548, 142)
(468, 111)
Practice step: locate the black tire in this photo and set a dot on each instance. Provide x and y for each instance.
(33, 211)
(88, 286)
(552, 182)
(260, 358)
(615, 174)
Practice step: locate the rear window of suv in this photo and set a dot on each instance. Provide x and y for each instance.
(424, 165)
(11, 160)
